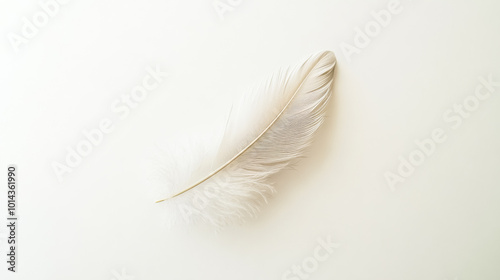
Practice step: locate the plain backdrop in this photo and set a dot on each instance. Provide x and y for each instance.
(100, 222)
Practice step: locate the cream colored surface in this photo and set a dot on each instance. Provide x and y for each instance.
(441, 223)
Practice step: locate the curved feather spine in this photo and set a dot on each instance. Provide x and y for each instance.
(251, 143)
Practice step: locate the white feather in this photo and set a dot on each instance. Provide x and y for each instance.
(266, 131)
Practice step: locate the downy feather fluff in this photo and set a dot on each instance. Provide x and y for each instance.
(227, 180)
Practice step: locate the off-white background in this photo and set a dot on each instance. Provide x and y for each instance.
(443, 222)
